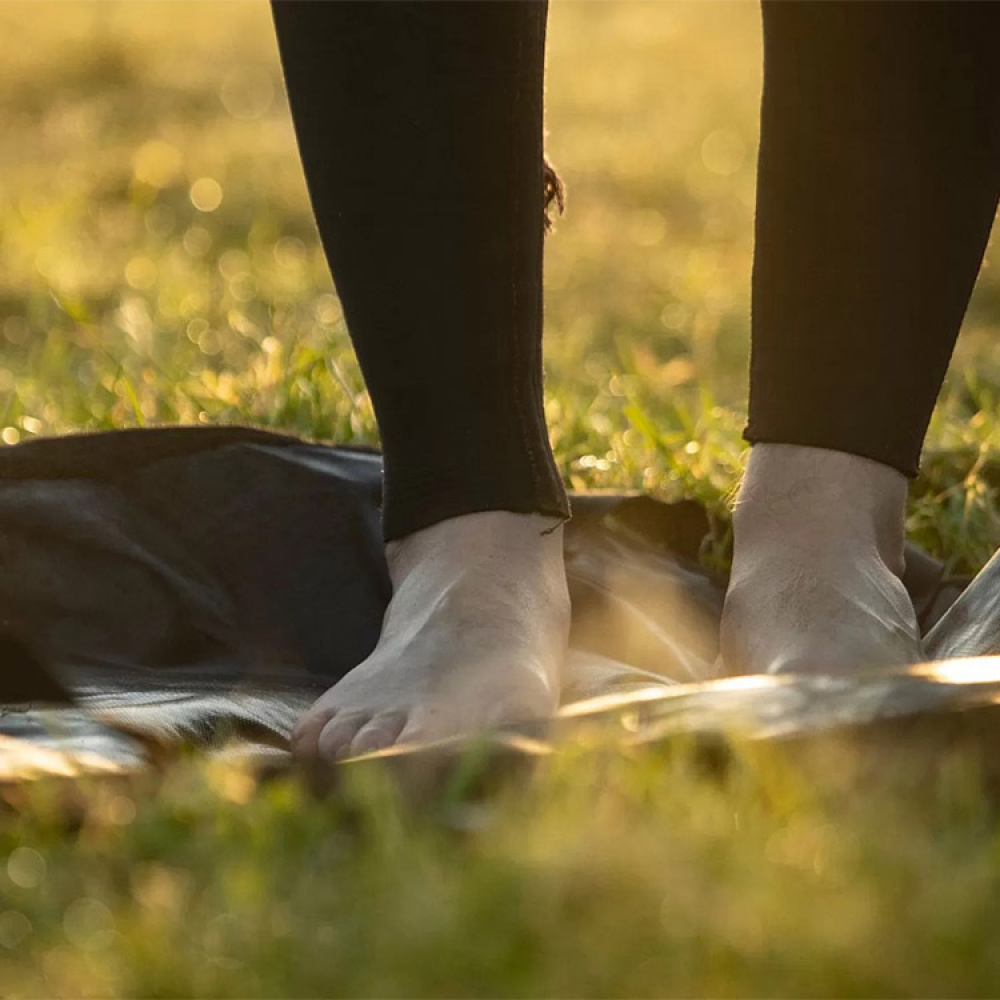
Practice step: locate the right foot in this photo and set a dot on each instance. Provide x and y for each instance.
(816, 584)
(475, 635)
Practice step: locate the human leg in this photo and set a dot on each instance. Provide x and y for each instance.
(878, 180)
(420, 130)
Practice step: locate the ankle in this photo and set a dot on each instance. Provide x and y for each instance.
(821, 499)
(479, 537)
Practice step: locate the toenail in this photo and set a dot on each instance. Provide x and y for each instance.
(371, 742)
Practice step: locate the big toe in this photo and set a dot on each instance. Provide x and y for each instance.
(305, 735)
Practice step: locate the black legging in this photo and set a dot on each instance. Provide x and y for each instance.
(877, 184)
(420, 130)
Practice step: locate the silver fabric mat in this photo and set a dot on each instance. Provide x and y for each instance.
(164, 589)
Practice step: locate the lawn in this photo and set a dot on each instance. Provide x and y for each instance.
(159, 264)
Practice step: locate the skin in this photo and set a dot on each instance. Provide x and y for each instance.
(475, 636)
(817, 565)
(476, 632)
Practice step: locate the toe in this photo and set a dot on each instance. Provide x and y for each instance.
(305, 735)
(335, 740)
(378, 734)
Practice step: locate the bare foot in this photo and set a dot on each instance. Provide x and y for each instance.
(475, 635)
(817, 565)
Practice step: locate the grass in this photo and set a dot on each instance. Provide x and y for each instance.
(158, 263)
(604, 875)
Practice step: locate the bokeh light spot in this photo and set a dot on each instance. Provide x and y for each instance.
(88, 924)
(206, 194)
(289, 251)
(196, 329)
(647, 228)
(246, 94)
(15, 329)
(197, 241)
(160, 220)
(140, 273)
(14, 928)
(327, 310)
(25, 866)
(156, 163)
(723, 152)
(232, 262)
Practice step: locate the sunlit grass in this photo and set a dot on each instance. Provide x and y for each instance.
(606, 874)
(158, 263)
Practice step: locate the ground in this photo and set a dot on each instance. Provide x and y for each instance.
(158, 264)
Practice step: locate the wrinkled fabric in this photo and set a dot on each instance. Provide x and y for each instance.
(169, 587)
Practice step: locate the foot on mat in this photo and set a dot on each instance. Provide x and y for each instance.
(475, 635)
(817, 566)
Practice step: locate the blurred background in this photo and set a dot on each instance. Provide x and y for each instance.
(159, 263)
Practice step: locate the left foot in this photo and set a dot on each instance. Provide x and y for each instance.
(816, 584)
